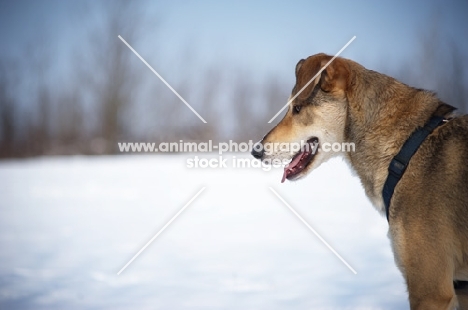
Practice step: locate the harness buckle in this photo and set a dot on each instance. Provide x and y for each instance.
(396, 167)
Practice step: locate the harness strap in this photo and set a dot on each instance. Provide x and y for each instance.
(460, 285)
(400, 162)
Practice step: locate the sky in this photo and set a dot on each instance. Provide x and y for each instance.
(268, 36)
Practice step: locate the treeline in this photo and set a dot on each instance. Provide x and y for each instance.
(109, 96)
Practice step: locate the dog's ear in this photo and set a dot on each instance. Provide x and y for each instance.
(305, 70)
(335, 77)
(299, 65)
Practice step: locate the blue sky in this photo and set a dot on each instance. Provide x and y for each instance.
(270, 36)
(260, 31)
(273, 36)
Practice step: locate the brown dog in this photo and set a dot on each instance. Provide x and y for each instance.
(376, 114)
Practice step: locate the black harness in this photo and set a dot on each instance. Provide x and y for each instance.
(400, 162)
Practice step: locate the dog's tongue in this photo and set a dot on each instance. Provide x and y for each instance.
(291, 165)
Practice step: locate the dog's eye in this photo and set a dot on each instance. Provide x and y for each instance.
(297, 109)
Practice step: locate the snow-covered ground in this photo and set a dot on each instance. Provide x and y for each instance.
(68, 225)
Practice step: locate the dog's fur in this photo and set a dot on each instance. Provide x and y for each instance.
(428, 220)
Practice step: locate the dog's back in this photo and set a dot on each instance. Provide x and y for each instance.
(428, 212)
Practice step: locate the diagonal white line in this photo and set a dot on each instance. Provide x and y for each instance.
(162, 79)
(313, 230)
(161, 230)
(315, 76)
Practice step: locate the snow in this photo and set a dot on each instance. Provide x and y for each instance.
(69, 224)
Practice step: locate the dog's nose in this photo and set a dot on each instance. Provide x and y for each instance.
(257, 150)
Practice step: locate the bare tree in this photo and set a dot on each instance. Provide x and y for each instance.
(68, 123)
(7, 115)
(112, 74)
(243, 105)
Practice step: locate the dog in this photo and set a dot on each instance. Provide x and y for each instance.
(428, 211)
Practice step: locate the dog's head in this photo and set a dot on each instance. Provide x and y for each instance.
(315, 119)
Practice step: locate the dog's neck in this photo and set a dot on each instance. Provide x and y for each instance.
(379, 122)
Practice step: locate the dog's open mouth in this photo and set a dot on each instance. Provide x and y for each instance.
(301, 160)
